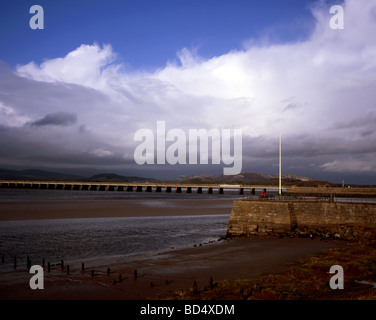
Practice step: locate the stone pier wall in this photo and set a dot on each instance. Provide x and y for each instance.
(268, 217)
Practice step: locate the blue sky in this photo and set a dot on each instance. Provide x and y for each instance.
(147, 33)
(72, 96)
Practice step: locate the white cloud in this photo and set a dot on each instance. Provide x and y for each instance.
(12, 118)
(101, 153)
(82, 66)
(349, 165)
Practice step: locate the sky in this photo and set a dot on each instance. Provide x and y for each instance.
(74, 94)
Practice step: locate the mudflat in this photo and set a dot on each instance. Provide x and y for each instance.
(163, 272)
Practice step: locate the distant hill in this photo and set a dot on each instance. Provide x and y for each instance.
(111, 177)
(254, 178)
(244, 177)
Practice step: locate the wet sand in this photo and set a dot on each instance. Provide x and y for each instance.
(56, 209)
(163, 272)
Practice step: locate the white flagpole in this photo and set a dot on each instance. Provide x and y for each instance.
(280, 169)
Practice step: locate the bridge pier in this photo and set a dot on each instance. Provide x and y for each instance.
(139, 189)
(77, 187)
(188, 189)
(210, 190)
(178, 189)
(168, 189)
(148, 189)
(199, 189)
(129, 188)
(220, 190)
(120, 188)
(111, 188)
(241, 191)
(93, 187)
(102, 188)
(158, 189)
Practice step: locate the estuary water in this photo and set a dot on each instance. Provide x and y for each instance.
(85, 239)
(97, 238)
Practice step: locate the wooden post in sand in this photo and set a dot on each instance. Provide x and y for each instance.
(48, 266)
(211, 283)
(195, 290)
(135, 274)
(82, 266)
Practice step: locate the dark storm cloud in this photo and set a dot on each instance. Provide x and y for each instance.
(362, 122)
(292, 106)
(305, 146)
(59, 148)
(56, 119)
